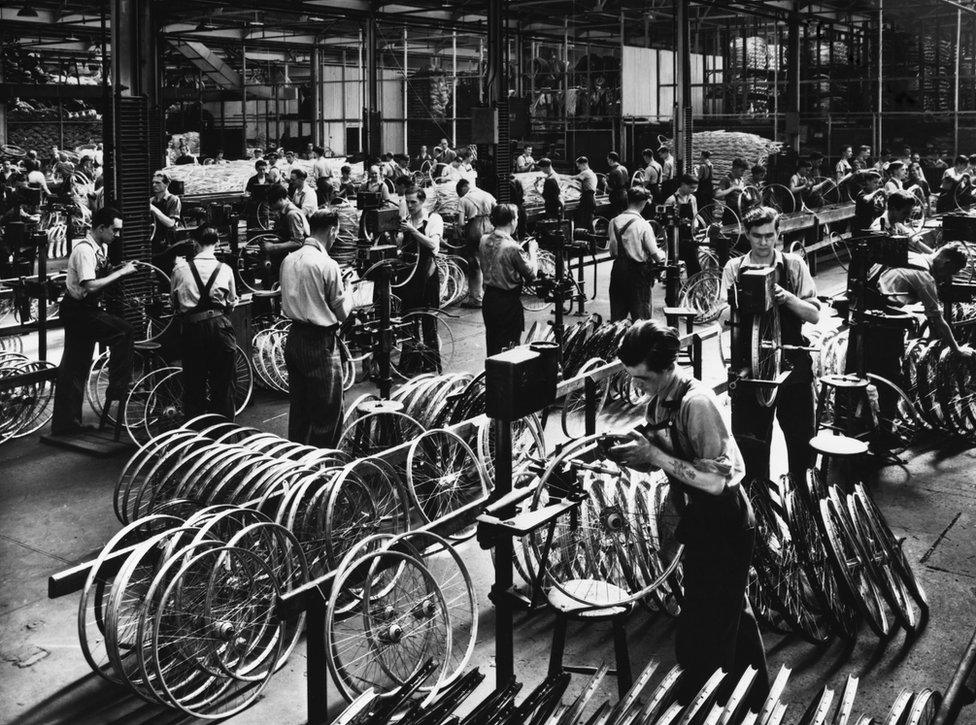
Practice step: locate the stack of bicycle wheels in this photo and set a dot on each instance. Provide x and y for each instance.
(826, 563)
(26, 408)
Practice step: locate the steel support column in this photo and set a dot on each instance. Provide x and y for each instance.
(315, 62)
(372, 120)
(793, 79)
(496, 96)
(682, 88)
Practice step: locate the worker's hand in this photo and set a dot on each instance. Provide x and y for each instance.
(532, 245)
(127, 269)
(635, 452)
(407, 226)
(264, 244)
(781, 296)
(965, 351)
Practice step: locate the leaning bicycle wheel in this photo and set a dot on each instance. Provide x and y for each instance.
(573, 415)
(139, 403)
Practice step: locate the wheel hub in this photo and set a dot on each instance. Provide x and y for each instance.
(392, 634)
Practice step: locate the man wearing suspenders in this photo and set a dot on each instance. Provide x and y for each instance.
(203, 293)
(796, 296)
(634, 250)
(687, 438)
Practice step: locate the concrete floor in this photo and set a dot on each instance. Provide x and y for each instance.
(55, 508)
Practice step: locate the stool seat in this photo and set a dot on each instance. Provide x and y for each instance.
(838, 446)
(146, 345)
(850, 381)
(380, 406)
(679, 312)
(589, 599)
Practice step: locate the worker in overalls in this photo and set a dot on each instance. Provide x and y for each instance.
(635, 253)
(86, 323)
(686, 436)
(420, 235)
(795, 295)
(686, 205)
(203, 294)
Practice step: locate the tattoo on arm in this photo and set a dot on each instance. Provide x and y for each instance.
(683, 469)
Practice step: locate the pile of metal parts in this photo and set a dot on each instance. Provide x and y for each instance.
(220, 520)
(25, 408)
(651, 700)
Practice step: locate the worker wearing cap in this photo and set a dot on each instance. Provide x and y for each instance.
(203, 294)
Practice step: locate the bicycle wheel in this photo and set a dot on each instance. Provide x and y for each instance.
(243, 380)
(851, 566)
(400, 622)
(573, 415)
(900, 709)
(430, 346)
(766, 354)
(376, 432)
(924, 707)
(443, 475)
(780, 198)
(901, 420)
(164, 408)
(702, 293)
(254, 265)
(895, 555)
(139, 403)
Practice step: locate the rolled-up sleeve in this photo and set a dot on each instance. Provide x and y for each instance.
(712, 446)
(806, 288)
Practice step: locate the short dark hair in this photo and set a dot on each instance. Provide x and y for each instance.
(758, 169)
(972, 159)
(706, 154)
(345, 170)
(259, 163)
(582, 160)
(322, 220)
(544, 163)
(105, 217)
(962, 159)
(651, 343)
(637, 194)
(403, 180)
(689, 179)
(300, 173)
(647, 152)
(739, 163)
(613, 156)
(844, 148)
(164, 176)
(759, 216)
(421, 194)
(502, 214)
(318, 150)
(804, 164)
(462, 184)
(277, 193)
(901, 200)
(208, 236)
(32, 165)
(954, 254)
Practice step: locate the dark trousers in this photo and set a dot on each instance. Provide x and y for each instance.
(630, 290)
(504, 318)
(314, 386)
(585, 210)
(688, 253)
(752, 425)
(424, 293)
(716, 627)
(209, 351)
(883, 348)
(85, 325)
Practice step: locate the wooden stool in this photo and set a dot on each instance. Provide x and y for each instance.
(846, 451)
(849, 396)
(567, 607)
(674, 315)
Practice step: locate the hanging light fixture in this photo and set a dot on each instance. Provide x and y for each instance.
(27, 11)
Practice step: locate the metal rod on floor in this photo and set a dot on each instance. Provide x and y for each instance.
(957, 691)
(504, 549)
